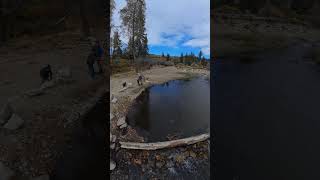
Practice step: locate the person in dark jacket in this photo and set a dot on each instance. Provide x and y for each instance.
(90, 62)
(98, 50)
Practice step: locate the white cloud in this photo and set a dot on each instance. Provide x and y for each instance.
(177, 18)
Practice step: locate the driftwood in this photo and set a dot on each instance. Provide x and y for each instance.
(165, 144)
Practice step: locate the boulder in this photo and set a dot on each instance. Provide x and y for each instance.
(5, 114)
(112, 165)
(64, 73)
(113, 146)
(123, 125)
(47, 85)
(35, 92)
(111, 116)
(114, 138)
(114, 100)
(121, 121)
(15, 122)
(5, 172)
(42, 177)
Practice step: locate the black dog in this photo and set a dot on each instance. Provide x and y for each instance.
(46, 74)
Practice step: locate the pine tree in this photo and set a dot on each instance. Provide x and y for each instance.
(162, 55)
(117, 44)
(181, 58)
(168, 57)
(200, 55)
(133, 19)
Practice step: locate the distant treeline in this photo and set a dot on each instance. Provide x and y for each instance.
(33, 17)
(299, 6)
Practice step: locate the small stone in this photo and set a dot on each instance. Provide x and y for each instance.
(114, 138)
(35, 92)
(129, 84)
(192, 154)
(179, 158)
(159, 164)
(112, 146)
(137, 161)
(170, 164)
(158, 157)
(5, 172)
(42, 177)
(121, 121)
(123, 125)
(112, 165)
(48, 84)
(15, 122)
(111, 116)
(114, 100)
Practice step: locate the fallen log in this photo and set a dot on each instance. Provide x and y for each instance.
(164, 144)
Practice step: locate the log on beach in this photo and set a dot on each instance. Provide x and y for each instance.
(165, 144)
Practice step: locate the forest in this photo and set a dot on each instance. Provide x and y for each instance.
(35, 17)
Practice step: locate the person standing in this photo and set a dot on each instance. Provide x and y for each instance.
(98, 53)
(90, 62)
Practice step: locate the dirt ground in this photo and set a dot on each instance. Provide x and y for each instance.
(33, 149)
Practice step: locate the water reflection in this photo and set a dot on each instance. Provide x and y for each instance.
(179, 106)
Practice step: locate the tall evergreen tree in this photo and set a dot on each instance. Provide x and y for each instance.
(133, 19)
(181, 58)
(200, 55)
(168, 57)
(117, 44)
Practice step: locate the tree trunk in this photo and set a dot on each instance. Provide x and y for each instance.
(83, 15)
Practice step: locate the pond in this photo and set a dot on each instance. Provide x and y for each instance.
(176, 109)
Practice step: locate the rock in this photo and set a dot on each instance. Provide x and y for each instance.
(5, 114)
(123, 125)
(113, 146)
(111, 137)
(114, 138)
(47, 84)
(15, 122)
(64, 73)
(111, 116)
(114, 100)
(192, 154)
(129, 84)
(159, 164)
(112, 165)
(170, 164)
(179, 158)
(42, 177)
(5, 172)
(137, 161)
(121, 121)
(35, 92)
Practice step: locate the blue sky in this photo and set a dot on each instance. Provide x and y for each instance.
(174, 26)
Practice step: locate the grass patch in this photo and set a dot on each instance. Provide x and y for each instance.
(120, 66)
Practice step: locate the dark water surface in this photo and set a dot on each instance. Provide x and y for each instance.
(266, 117)
(178, 107)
